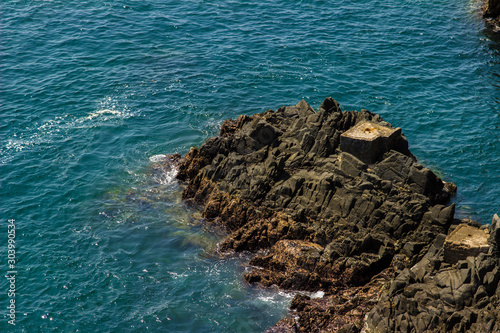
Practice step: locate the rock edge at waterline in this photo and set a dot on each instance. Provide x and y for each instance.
(334, 201)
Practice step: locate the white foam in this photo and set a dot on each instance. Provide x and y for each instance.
(166, 177)
(276, 297)
(164, 173)
(318, 294)
(158, 158)
(177, 275)
(103, 112)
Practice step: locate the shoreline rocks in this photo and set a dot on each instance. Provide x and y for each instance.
(330, 200)
(491, 13)
(436, 296)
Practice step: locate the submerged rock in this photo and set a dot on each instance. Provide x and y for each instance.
(321, 208)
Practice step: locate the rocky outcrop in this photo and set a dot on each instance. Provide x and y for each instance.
(319, 209)
(492, 8)
(491, 13)
(434, 296)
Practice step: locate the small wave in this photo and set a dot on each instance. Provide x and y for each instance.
(63, 126)
(283, 297)
(177, 275)
(163, 169)
(103, 112)
(318, 294)
(277, 296)
(166, 177)
(108, 112)
(158, 158)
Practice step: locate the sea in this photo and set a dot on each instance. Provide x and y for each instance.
(93, 94)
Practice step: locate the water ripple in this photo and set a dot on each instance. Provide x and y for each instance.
(92, 90)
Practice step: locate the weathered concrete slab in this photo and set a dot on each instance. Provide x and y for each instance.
(369, 141)
(465, 241)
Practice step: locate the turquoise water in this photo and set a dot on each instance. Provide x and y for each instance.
(92, 91)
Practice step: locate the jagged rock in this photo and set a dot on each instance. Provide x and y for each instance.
(439, 297)
(351, 165)
(491, 12)
(290, 265)
(286, 325)
(495, 235)
(492, 8)
(320, 217)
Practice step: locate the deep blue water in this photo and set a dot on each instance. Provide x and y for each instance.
(91, 91)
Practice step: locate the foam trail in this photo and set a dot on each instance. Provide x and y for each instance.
(63, 126)
(164, 171)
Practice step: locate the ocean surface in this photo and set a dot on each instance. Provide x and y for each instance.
(91, 92)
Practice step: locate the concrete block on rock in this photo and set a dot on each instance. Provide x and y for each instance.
(465, 241)
(369, 141)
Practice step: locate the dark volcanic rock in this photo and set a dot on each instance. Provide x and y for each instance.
(492, 8)
(433, 296)
(491, 13)
(320, 218)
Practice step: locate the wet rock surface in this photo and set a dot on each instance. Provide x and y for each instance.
(320, 218)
